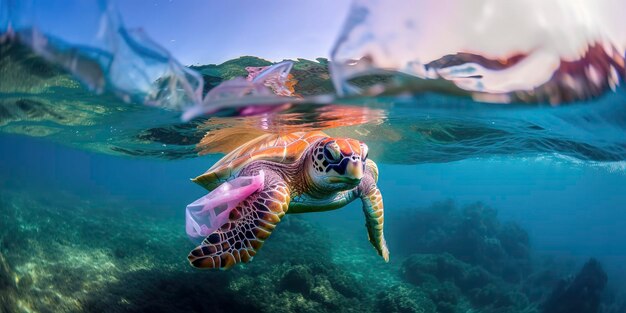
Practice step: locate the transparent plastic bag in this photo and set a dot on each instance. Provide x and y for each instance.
(207, 214)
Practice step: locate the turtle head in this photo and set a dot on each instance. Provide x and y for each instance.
(337, 163)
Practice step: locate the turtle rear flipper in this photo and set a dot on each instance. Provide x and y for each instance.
(249, 224)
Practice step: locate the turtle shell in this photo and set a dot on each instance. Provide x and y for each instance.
(286, 149)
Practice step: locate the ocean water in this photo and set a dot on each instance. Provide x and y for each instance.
(498, 198)
(89, 231)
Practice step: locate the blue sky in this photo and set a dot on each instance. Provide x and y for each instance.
(201, 32)
(214, 31)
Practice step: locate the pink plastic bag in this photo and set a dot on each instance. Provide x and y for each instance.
(209, 213)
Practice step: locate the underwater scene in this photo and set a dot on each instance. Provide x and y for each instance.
(313, 156)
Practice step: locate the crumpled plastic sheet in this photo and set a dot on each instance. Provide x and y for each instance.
(207, 214)
(129, 64)
(266, 85)
(496, 51)
(123, 61)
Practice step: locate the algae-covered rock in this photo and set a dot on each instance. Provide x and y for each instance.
(422, 269)
(324, 293)
(453, 284)
(297, 279)
(6, 279)
(472, 234)
(404, 299)
(581, 294)
(344, 283)
(8, 288)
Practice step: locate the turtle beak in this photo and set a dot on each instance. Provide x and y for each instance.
(354, 170)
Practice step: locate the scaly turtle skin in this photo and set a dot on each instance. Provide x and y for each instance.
(304, 172)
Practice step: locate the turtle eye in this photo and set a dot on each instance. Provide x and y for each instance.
(332, 152)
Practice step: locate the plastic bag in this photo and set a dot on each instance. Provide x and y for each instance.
(207, 214)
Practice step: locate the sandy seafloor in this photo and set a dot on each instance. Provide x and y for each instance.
(81, 232)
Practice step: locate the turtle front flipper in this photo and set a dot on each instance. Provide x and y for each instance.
(250, 223)
(374, 209)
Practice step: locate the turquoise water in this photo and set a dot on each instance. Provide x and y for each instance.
(84, 231)
(508, 201)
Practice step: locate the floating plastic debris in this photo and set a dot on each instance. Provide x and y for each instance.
(129, 64)
(554, 51)
(276, 77)
(209, 213)
(497, 51)
(264, 85)
(114, 58)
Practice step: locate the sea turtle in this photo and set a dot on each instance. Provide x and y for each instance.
(303, 172)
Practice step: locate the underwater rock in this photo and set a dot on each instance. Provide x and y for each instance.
(404, 299)
(296, 274)
(297, 279)
(324, 293)
(548, 271)
(494, 298)
(453, 284)
(288, 287)
(344, 283)
(171, 291)
(473, 235)
(8, 288)
(582, 294)
(614, 302)
(97, 258)
(6, 278)
(433, 269)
